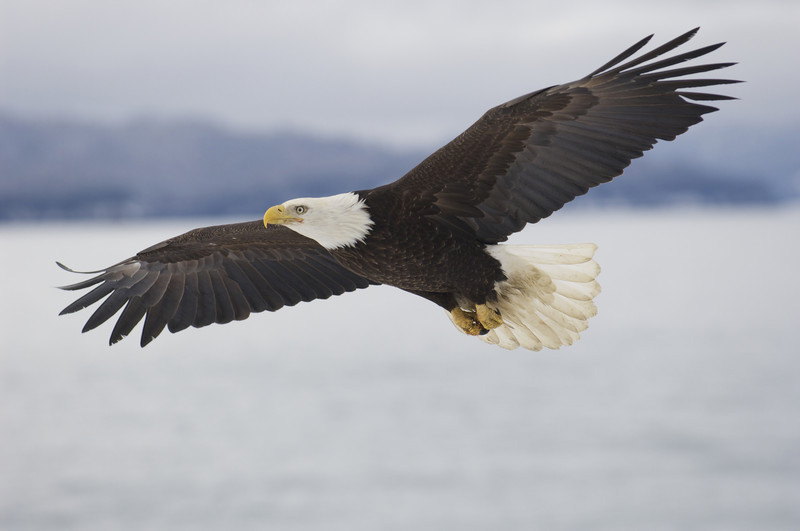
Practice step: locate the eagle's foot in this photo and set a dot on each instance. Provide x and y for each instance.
(488, 318)
(467, 322)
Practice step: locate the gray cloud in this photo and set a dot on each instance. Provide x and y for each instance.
(410, 72)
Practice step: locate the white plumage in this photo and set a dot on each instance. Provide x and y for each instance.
(547, 299)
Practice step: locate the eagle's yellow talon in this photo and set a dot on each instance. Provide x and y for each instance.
(467, 322)
(487, 317)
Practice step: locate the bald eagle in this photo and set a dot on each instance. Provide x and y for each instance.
(437, 231)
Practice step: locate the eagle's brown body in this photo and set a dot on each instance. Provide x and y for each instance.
(424, 264)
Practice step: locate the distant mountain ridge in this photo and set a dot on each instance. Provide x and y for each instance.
(67, 169)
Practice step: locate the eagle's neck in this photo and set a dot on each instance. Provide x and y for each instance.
(339, 221)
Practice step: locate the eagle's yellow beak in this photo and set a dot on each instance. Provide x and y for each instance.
(277, 216)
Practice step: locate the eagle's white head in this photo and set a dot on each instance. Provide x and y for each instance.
(334, 222)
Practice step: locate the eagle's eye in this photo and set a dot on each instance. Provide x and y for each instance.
(300, 210)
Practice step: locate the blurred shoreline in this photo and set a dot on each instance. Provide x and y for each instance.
(67, 169)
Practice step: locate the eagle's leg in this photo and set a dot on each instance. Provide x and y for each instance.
(475, 320)
(487, 317)
(467, 322)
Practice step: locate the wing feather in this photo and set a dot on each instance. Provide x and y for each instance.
(187, 309)
(282, 281)
(271, 299)
(107, 308)
(211, 275)
(160, 313)
(206, 301)
(254, 298)
(133, 313)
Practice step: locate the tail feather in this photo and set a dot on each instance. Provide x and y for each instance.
(577, 310)
(546, 301)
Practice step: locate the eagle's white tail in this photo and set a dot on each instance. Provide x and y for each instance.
(546, 300)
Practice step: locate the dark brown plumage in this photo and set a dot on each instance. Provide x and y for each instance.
(519, 163)
(525, 159)
(212, 275)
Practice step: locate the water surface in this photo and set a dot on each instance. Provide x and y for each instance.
(677, 409)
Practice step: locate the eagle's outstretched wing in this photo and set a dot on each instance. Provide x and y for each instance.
(525, 159)
(212, 275)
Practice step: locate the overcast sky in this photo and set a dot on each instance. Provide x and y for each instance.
(407, 72)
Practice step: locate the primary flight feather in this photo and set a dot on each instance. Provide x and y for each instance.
(437, 231)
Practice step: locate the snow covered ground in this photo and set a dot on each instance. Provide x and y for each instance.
(678, 409)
